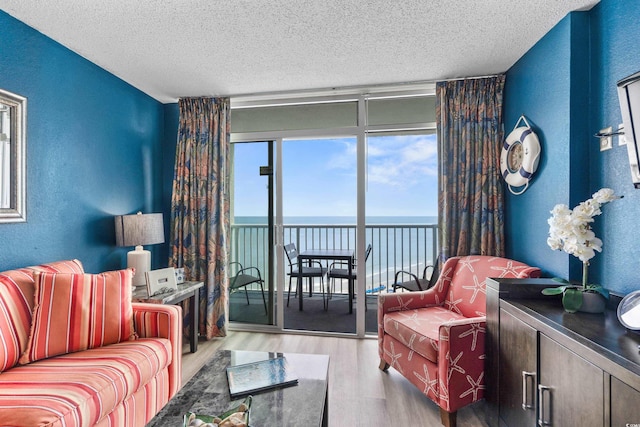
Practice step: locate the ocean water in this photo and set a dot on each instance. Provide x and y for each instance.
(340, 220)
(399, 242)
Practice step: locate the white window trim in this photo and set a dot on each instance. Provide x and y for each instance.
(361, 95)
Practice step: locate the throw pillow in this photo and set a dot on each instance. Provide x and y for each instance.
(69, 266)
(75, 312)
(17, 291)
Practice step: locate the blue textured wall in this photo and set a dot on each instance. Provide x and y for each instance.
(93, 151)
(95, 147)
(539, 86)
(615, 54)
(566, 85)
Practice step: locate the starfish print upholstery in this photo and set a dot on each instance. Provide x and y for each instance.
(435, 338)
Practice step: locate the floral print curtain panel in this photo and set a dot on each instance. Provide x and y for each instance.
(200, 206)
(470, 135)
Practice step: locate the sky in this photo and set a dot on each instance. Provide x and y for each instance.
(319, 177)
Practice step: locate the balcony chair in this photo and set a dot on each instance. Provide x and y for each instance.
(414, 283)
(435, 338)
(242, 279)
(342, 273)
(307, 272)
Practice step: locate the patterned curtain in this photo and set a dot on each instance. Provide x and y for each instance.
(470, 135)
(200, 206)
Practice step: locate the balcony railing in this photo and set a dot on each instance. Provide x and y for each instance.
(406, 247)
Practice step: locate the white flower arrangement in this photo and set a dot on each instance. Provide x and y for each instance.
(570, 230)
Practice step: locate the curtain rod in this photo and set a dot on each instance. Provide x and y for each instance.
(368, 89)
(469, 78)
(338, 89)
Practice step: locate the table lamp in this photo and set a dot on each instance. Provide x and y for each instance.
(138, 230)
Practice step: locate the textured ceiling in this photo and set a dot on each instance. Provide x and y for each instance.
(175, 48)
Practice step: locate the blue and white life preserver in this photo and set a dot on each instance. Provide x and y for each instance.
(520, 156)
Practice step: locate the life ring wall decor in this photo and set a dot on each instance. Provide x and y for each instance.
(519, 157)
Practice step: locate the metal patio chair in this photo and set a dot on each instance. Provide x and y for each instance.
(307, 272)
(342, 273)
(413, 283)
(242, 279)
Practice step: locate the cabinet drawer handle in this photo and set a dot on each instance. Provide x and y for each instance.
(528, 378)
(542, 390)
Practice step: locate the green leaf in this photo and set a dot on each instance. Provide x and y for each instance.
(554, 291)
(572, 300)
(599, 289)
(560, 280)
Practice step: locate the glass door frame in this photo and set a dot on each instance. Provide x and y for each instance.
(272, 276)
(280, 268)
(359, 131)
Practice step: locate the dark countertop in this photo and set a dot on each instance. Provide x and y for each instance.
(602, 333)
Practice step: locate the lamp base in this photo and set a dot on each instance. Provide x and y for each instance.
(140, 260)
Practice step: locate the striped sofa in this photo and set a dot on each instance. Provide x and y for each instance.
(67, 360)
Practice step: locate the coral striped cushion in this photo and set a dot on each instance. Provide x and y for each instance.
(141, 407)
(159, 320)
(81, 388)
(16, 286)
(71, 266)
(16, 305)
(75, 312)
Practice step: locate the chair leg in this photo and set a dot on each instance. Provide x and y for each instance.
(365, 301)
(384, 366)
(332, 282)
(448, 419)
(325, 301)
(289, 293)
(355, 293)
(264, 300)
(246, 294)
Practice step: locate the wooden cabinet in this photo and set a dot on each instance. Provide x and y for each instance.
(518, 371)
(625, 404)
(570, 389)
(550, 368)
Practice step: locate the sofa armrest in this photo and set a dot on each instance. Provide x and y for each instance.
(461, 361)
(162, 321)
(401, 301)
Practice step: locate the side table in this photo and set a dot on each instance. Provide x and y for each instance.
(185, 290)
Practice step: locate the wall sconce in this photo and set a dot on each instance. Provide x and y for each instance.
(138, 230)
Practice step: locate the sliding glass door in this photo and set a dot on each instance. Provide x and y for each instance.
(402, 210)
(251, 284)
(319, 214)
(334, 191)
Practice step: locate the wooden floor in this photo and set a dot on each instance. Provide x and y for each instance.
(359, 393)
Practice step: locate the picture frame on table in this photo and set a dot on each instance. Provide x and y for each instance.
(179, 274)
(161, 281)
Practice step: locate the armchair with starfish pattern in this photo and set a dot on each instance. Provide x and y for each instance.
(435, 338)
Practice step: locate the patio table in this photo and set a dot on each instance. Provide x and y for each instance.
(327, 254)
